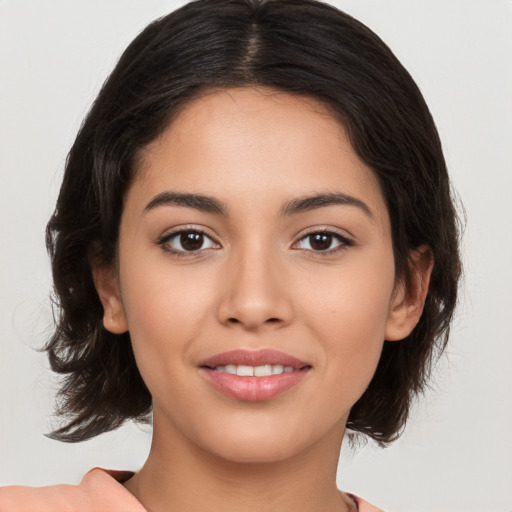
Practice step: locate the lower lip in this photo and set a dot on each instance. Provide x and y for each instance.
(253, 389)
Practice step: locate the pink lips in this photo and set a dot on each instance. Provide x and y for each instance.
(253, 389)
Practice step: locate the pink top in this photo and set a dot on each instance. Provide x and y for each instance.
(99, 491)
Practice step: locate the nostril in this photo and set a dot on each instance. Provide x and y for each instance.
(233, 320)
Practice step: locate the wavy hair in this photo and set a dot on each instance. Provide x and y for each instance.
(302, 47)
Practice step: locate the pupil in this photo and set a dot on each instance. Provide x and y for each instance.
(321, 242)
(191, 241)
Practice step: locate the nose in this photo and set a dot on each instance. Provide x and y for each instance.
(254, 294)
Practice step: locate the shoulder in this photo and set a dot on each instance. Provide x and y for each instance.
(364, 506)
(99, 490)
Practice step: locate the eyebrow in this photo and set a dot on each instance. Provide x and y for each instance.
(209, 204)
(199, 202)
(308, 203)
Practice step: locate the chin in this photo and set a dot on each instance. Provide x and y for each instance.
(260, 453)
(258, 444)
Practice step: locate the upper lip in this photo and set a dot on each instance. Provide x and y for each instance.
(253, 358)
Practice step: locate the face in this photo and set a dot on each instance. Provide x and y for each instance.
(254, 241)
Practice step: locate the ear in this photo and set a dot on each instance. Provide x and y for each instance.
(409, 297)
(107, 286)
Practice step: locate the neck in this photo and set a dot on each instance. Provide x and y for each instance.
(179, 476)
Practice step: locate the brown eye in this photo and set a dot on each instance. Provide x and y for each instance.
(323, 241)
(320, 241)
(190, 241)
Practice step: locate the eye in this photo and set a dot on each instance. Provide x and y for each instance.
(187, 241)
(323, 241)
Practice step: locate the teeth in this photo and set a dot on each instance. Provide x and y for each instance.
(263, 371)
(277, 369)
(230, 368)
(245, 371)
(258, 371)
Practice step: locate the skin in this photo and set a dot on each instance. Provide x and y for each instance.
(256, 282)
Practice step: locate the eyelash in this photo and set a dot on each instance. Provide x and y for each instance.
(344, 242)
(164, 242)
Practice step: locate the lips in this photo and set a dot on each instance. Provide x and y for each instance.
(254, 358)
(253, 375)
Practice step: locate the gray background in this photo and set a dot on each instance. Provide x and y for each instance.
(457, 450)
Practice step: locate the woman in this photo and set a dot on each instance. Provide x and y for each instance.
(241, 226)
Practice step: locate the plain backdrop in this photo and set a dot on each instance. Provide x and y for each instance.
(456, 453)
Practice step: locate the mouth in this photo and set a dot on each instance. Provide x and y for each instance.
(265, 370)
(253, 376)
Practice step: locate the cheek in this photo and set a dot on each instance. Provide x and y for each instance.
(348, 317)
(352, 305)
(165, 309)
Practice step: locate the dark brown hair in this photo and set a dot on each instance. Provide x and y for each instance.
(299, 46)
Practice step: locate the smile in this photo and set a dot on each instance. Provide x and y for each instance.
(254, 371)
(253, 376)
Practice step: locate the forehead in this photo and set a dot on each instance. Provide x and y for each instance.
(254, 145)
